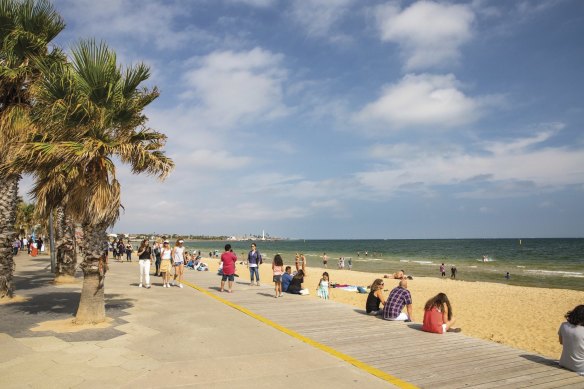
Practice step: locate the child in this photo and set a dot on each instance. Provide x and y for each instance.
(278, 269)
(322, 290)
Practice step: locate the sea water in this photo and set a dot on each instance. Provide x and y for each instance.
(546, 263)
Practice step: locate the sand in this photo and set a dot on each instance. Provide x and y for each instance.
(68, 325)
(522, 317)
(13, 300)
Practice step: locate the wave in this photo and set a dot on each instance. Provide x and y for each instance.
(558, 273)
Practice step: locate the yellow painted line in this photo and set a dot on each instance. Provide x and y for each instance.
(347, 358)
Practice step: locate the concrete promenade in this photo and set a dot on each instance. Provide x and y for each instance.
(159, 338)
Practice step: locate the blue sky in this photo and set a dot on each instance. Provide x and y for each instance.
(355, 118)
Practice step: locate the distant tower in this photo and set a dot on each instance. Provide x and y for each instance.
(263, 235)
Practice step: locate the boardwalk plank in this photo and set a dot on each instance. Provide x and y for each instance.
(401, 349)
(512, 378)
(553, 382)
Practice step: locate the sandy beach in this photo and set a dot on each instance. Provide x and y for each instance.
(521, 317)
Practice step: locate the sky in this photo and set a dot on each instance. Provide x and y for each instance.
(354, 119)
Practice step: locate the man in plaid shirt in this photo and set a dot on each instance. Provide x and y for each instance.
(398, 298)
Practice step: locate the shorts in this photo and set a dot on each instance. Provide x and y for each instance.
(277, 278)
(177, 264)
(402, 317)
(226, 277)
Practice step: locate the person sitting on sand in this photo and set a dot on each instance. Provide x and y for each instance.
(286, 278)
(375, 298)
(438, 315)
(295, 286)
(398, 275)
(571, 335)
(399, 298)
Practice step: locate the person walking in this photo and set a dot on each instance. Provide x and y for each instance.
(228, 259)
(15, 246)
(178, 262)
(324, 260)
(157, 258)
(129, 249)
(165, 263)
(144, 258)
(254, 260)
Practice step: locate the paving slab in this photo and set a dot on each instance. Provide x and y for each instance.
(158, 338)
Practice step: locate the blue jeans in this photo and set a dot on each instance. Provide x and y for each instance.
(252, 271)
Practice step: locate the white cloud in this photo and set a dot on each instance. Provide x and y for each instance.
(212, 160)
(422, 100)
(428, 33)
(146, 21)
(231, 87)
(500, 169)
(318, 17)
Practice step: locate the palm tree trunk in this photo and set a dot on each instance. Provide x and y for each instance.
(92, 303)
(8, 202)
(65, 245)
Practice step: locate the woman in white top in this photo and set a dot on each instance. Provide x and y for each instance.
(178, 262)
(165, 263)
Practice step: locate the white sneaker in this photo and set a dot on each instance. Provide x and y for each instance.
(164, 286)
(180, 285)
(147, 286)
(139, 286)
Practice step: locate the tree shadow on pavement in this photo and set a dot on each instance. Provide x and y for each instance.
(17, 319)
(26, 280)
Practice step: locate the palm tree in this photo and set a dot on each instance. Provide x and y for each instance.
(26, 29)
(66, 252)
(89, 115)
(25, 217)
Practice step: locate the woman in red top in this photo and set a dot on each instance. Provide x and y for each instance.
(438, 315)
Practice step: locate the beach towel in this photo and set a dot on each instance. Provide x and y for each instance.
(348, 288)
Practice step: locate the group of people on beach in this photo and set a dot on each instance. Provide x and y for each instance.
(398, 306)
(438, 313)
(438, 317)
(285, 280)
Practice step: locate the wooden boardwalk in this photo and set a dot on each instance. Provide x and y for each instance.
(399, 349)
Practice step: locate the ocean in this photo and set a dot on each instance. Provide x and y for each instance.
(545, 263)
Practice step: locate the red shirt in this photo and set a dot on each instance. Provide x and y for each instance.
(228, 258)
(433, 321)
